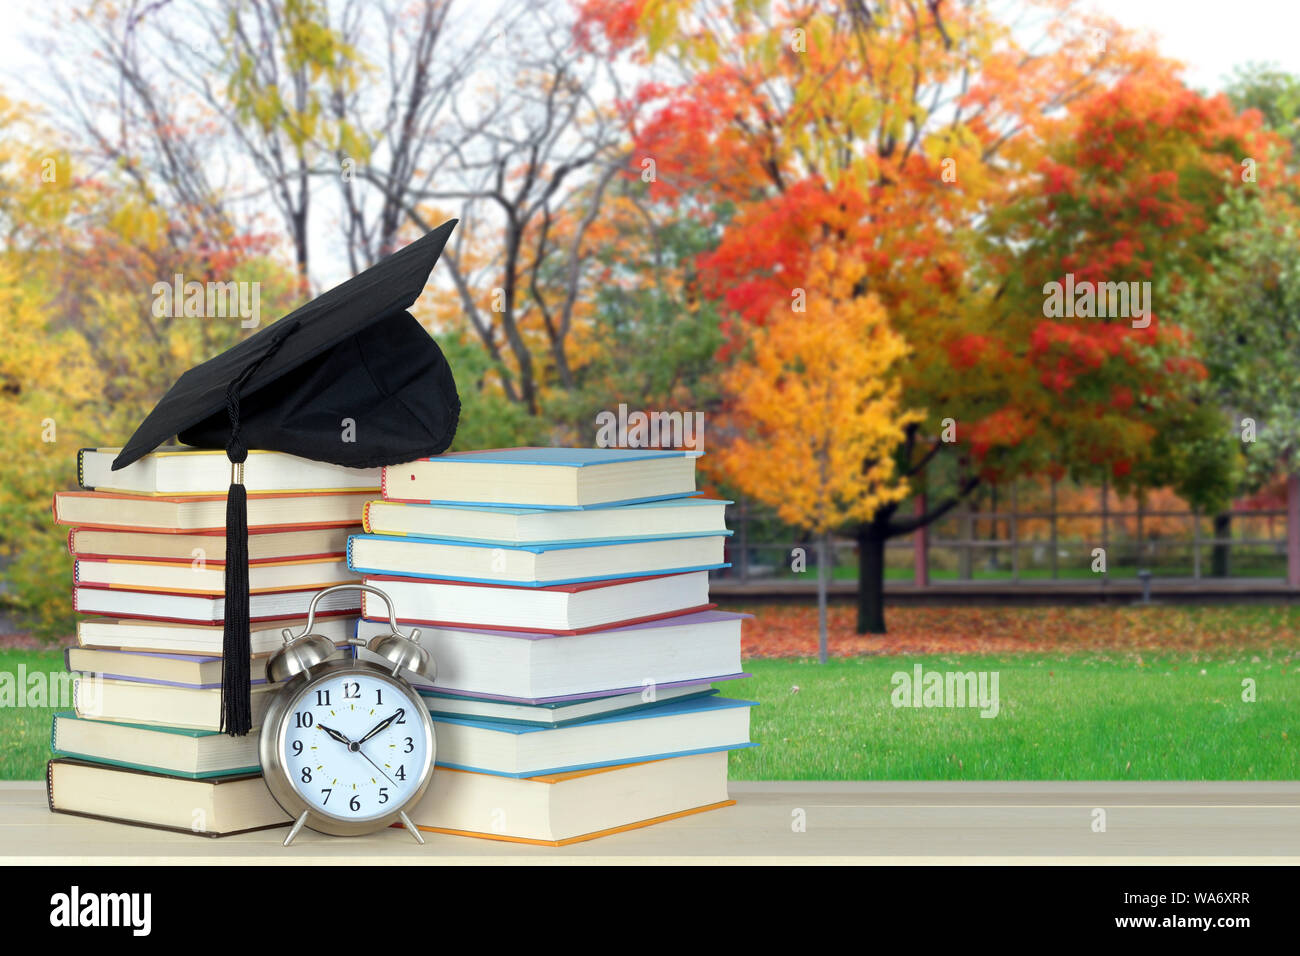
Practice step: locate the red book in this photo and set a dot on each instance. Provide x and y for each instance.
(209, 547)
(554, 609)
(204, 608)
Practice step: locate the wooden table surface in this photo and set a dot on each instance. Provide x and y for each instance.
(845, 823)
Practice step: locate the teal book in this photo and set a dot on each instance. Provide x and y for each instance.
(176, 751)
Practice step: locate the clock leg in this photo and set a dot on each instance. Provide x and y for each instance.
(412, 828)
(293, 831)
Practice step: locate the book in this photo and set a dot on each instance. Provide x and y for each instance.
(544, 477)
(263, 545)
(205, 639)
(675, 729)
(555, 608)
(205, 608)
(120, 512)
(171, 750)
(128, 574)
(533, 565)
(212, 807)
(483, 524)
(159, 704)
(559, 809)
(555, 713)
(206, 471)
(178, 670)
(534, 667)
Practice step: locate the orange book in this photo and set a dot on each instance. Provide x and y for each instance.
(586, 836)
(195, 514)
(564, 808)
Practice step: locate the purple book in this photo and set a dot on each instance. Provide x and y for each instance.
(590, 695)
(151, 667)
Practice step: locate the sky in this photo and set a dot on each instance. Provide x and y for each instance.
(1210, 38)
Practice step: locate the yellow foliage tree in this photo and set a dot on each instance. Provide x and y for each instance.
(83, 354)
(818, 410)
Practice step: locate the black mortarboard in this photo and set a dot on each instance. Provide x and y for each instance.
(353, 352)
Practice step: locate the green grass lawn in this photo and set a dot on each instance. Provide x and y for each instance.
(1101, 717)
(25, 731)
(1096, 717)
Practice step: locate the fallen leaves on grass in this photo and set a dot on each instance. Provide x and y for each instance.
(791, 631)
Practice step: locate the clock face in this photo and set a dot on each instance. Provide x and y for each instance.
(354, 746)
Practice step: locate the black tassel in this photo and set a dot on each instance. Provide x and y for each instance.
(237, 639)
(236, 647)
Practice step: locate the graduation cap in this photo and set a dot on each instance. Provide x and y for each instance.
(353, 352)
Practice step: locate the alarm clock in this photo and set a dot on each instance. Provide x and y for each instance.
(347, 746)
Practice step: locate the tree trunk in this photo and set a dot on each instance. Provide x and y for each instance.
(871, 579)
(1219, 560)
(823, 572)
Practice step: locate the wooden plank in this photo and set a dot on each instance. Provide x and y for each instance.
(842, 823)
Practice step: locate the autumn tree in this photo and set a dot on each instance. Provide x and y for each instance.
(817, 411)
(939, 146)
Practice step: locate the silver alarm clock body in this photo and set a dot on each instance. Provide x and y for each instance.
(350, 744)
(347, 746)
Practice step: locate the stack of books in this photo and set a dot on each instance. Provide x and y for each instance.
(142, 744)
(564, 595)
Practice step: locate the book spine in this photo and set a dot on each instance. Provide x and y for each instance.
(67, 659)
(49, 783)
(81, 467)
(54, 733)
(383, 483)
(72, 544)
(365, 517)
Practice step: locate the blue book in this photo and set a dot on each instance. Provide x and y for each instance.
(675, 729)
(534, 565)
(558, 478)
(495, 524)
(556, 713)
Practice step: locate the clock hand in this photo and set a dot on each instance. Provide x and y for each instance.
(377, 767)
(335, 734)
(355, 746)
(382, 725)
